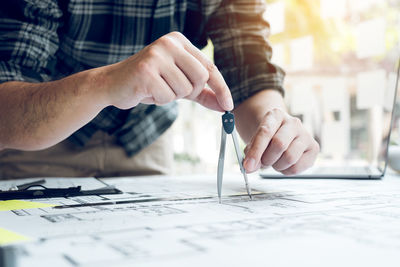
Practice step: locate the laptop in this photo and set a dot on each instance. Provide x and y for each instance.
(372, 168)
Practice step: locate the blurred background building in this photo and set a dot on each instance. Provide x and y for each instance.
(339, 56)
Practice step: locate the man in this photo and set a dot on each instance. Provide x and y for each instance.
(88, 86)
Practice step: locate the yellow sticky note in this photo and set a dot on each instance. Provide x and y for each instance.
(8, 237)
(19, 204)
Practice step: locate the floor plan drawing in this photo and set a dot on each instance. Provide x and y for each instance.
(176, 221)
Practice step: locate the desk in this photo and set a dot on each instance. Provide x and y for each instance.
(177, 221)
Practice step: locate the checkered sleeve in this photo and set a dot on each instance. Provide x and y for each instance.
(241, 48)
(28, 36)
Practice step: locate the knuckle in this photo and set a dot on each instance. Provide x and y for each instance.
(164, 99)
(292, 170)
(180, 95)
(295, 169)
(196, 89)
(265, 161)
(203, 77)
(200, 83)
(278, 143)
(296, 121)
(265, 130)
(167, 41)
(288, 172)
(170, 98)
(186, 91)
(269, 113)
(153, 52)
(210, 66)
(269, 121)
(144, 67)
(290, 158)
(175, 34)
(276, 111)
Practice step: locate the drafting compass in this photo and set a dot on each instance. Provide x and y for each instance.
(228, 127)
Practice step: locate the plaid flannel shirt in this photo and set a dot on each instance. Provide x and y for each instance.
(44, 40)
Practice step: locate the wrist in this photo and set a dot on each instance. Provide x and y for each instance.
(250, 113)
(96, 85)
(115, 85)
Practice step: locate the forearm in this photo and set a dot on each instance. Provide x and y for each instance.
(249, 114)
(35, 116)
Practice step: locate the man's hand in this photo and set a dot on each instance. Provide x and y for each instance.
(168, 69)
(282, 142)
(273, 137)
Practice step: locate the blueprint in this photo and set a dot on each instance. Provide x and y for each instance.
(177, 221)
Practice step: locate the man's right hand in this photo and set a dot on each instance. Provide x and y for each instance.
(36, 116)
(170, 68)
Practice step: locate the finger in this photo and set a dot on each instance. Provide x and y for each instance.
(161, 92)
(257, 167)
(197, 91)
(279, 144)
(198, 76)
(177, 81)
(193, 69)
(218, 85)
(246, 149)
(215, 79)
(305, 162)
(291, 155)
(208, 99)
(270, 125)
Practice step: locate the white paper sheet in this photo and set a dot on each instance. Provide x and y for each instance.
(316, 222)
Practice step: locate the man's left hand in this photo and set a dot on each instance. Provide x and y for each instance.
(281, 141)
